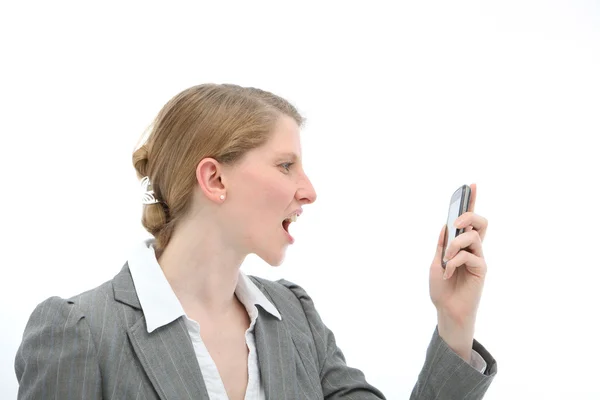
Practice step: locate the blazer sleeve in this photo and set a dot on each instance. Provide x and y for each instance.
(57, 356)
(444, 375)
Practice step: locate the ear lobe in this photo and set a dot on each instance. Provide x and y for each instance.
(208, 177)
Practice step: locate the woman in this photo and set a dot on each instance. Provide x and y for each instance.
(222, 176)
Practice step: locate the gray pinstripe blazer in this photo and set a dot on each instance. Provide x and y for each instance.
(96, 346)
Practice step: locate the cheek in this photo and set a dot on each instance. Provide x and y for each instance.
(270, 193)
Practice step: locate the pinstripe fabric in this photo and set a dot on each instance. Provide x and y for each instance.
(96, 346)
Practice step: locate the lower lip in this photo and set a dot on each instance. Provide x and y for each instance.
(289, 237)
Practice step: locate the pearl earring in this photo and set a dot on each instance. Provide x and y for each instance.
(222, 197)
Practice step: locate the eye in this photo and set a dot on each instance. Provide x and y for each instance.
(286, 166)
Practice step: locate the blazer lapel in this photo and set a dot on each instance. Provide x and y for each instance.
(166, 354)
(275, 352)
(169, 360)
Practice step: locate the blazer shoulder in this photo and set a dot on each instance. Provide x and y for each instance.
(98, 306)
(57, 333)
(58, 311)
(282, 291)
(92, 297)
(54, 311)
(294, 303)
(57, 305)
(110, 294)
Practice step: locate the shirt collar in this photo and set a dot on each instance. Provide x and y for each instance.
(160, 304)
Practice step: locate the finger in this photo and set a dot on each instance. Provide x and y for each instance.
(469, 241)
(475, 265)
(473, 197)
(469, 220)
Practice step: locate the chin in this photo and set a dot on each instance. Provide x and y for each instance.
(273, 258)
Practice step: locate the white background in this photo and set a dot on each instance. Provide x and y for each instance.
(405, 102)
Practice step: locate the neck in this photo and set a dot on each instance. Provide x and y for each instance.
(202, 269)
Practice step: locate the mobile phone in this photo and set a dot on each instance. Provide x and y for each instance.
(459, 204)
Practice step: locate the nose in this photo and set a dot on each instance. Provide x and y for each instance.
(306, 193)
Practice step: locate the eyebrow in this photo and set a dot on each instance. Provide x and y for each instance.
(291, 155)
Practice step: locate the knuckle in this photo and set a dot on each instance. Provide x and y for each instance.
(474, 236)
(451, 247)
(463, 254)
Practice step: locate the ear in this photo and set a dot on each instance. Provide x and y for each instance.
(208, 175)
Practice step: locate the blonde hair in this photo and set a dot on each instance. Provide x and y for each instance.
(222, 121)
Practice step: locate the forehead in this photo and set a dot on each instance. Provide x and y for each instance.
(285, 137)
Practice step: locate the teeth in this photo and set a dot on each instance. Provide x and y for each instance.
(293, 218)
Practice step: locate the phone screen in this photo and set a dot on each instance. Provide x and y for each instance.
(452, 215)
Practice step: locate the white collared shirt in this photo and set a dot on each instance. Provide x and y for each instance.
(161, 306)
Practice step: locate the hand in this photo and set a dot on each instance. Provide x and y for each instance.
(457, 297)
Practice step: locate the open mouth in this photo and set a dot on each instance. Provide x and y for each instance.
(286, 222)
(286, 225)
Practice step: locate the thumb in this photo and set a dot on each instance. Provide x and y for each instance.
(440, 246)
